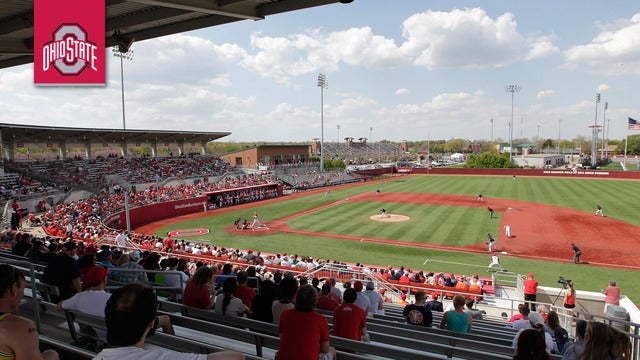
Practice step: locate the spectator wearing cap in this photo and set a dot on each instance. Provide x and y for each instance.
(362, 300)
(375, 299)
(434, 304)
(53, 250)
(93, 299)
(536, 322)
(385, 298)
(63, 271)
(611, 295)
(130, 262)
(403, 299)
(336, 294)
(523, 322)
(530, 291)
(104, 259)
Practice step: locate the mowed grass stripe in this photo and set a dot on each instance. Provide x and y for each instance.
(620, 199)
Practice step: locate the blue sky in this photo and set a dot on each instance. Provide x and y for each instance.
(397, 70)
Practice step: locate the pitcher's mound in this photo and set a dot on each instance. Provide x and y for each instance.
(390, 218)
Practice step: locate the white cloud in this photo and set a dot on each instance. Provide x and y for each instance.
(541, 47)
(545, 94)
(469, 38)
(614, 51)
(602, 88)
(402, 91)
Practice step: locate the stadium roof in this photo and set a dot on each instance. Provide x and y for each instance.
(32, 134)
(141, 20)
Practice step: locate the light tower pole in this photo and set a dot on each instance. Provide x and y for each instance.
(594, 135)
(323, 84)
(559, 127)
(511, 89)
(491, 129)
(604, 120)
(338, 138)
(128, 55)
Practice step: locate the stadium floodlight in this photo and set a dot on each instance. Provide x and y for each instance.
(127, 55)
(511, 89)
(323, 84)
(594, 136)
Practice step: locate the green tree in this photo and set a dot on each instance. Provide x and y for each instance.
(548, 144)
(456, 146)
(488, 160)
(633, 147)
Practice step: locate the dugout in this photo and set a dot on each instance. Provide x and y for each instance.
(229, 197)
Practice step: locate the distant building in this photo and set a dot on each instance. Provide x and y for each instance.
(540, 161)
(268, 155)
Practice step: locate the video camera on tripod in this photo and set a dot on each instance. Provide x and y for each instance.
(564, 282)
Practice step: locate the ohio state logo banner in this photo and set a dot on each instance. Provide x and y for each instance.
(69, 45)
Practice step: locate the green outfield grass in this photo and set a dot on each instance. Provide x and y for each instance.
(619, 198)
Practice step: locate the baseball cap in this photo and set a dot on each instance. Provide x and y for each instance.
(70, 245)
(357, 285)
(95, 275)
(435, 295)
(135, 255)
(530, 275)
(403, 296)
(382, 291)
(536, 319)
(370, 285)
(104, 254)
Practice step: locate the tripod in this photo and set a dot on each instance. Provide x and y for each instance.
(564, 287)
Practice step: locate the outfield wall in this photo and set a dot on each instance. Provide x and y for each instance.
(511, 172)
(153, 212)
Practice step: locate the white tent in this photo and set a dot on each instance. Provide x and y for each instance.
(457, 157)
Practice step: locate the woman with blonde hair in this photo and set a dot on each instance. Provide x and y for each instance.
(457, 319)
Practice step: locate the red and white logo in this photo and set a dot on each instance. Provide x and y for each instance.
(70, 52)
(69, 42)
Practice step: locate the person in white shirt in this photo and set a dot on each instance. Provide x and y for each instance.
(362, 300)
(375, 299)
(93, 300)
(174, 278)
(121, 239)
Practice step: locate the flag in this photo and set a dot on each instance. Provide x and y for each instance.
(634, 124)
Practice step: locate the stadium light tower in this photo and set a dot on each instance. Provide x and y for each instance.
(323, 84)
(604, 120)
(511, 89)
(594, 135)
(128, 55)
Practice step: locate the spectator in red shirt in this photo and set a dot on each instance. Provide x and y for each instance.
(349, 320)
(196, 292)
(325, 302)
(245, 293)
(530, 290)
(612, 295)
(304, 333)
